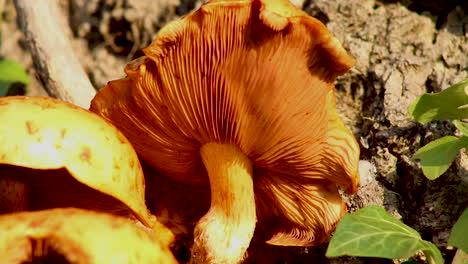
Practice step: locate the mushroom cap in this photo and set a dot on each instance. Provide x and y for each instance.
(47, 134)
(80, 236)
(258, 74)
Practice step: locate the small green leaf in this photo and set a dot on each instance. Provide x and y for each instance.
(459, 235)
(11, 72)
(462, 126)
(4, 87)
(450, 104)
(437, 156)
(372, 232)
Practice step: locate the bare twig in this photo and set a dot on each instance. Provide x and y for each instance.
(56, 63)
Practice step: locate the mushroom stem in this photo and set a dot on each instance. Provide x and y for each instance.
(224, 233)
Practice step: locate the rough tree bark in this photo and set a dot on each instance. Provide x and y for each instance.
(57, 65)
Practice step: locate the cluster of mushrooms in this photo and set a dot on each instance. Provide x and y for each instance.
(235, 100)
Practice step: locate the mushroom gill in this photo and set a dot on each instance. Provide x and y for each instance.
(240, 94)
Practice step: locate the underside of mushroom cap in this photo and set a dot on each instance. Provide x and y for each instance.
(78, 236)
(305, 212)
(257, 74)
(296, 214)
(223, 74)
(47, 134)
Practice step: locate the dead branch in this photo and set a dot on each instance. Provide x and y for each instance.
(54, 59)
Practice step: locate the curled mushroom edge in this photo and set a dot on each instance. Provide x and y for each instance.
(78, 236)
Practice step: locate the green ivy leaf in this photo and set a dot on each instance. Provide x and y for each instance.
(450, 104)
(459, 235)
(462, 126)
(372, 232)
(11, 72)
(437, 156)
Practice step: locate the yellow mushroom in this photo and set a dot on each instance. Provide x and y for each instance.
(54, 154)
(71, 235)
(240, 94)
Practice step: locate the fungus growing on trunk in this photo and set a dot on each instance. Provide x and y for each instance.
(240, 94)
(54, 154)
(71, 235)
